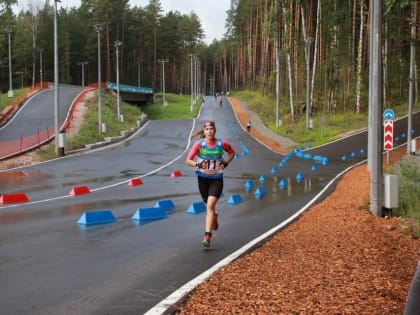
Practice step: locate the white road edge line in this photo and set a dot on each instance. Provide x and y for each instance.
(183, 291)
(107, 147)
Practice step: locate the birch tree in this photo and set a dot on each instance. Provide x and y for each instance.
(359, 58)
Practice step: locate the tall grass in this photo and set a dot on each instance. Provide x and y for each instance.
(178, 107)
(89, 130)
(5, 100)
(326, 127)
(408, 171)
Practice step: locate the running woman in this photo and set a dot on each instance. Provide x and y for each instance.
(206, 156)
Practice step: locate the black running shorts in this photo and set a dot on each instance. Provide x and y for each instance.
(210, 187)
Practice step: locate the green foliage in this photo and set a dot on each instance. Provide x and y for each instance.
(408, 171)
(89, 131)
(326, 127)
(179, 107)
(6, 100)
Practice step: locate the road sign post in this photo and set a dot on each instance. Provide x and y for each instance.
(388, 135)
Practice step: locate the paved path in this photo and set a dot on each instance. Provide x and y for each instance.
(259, 130)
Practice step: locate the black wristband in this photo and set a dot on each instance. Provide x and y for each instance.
(225, 164)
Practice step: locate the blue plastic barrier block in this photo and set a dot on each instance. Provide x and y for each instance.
(317, 158)
(145, 214)
(260, 192)
(235, 199)
(96, 217)
(299, 154)
(197, 207)
(167, 204)
(283, 184)
(299, 177)
(248, 185)
(262, 178)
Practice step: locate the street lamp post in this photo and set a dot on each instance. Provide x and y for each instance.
(163, 61)
(212, 86)
(375, 96)
(278, 56)
(10, 92)
(40, 66)
(98, 29)
(56, 77)
(410, 149)
(308, 43)
(21, 73)
(138, 73)
(197, 81)
(117, 44)
(192, 84)
(83, 63)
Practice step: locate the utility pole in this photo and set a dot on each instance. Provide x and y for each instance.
(212, 86)
(10, 93)
(196, 86)
(117, 44)
(192, 84)
(278, 55)
(411, 85)
(83, 63)
(163, 61)
(40, 66)
(56, 76)
(138, 73)
(308, 43)
(98, 29)
(21, 73)
(375, 95)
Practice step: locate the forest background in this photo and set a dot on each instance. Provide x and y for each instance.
(327, 37)
(323, 44)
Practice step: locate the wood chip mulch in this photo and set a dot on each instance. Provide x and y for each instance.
(336, 259)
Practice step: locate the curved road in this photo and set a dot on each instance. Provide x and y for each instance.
(38, 112)
(52, 265)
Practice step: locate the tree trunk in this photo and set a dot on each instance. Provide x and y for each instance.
(359, 59)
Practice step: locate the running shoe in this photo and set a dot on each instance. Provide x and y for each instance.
(215, 222)
(206, 241)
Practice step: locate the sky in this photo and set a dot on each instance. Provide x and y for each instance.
(212, 13)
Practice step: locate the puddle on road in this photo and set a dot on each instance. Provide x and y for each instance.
(272, 194)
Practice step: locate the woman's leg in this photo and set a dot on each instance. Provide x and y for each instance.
(413, 302)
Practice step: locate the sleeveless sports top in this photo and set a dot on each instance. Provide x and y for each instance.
(212, 156)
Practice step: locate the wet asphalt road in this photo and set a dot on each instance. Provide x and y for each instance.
(49, 264)
(38, 112)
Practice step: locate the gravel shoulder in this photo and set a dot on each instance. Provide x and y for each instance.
(336, 259)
